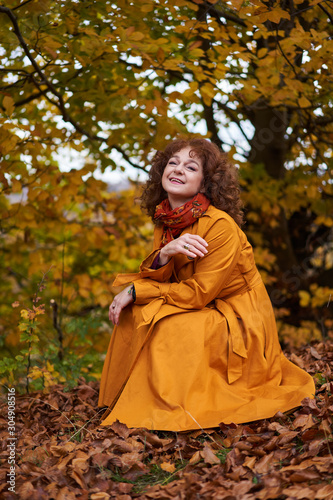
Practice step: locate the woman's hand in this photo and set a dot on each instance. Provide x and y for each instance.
(119, 302)
(191, 245)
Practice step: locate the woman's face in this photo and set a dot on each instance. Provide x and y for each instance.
(182, 177)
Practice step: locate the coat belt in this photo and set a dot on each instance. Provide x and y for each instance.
(236, 347)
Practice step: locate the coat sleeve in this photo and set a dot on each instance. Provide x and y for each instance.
(211, 273)
(161, 274)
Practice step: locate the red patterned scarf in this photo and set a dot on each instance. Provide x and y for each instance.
(175, 220)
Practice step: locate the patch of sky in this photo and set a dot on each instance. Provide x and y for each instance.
(69, 158)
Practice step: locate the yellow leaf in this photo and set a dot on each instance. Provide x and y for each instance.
(35, 372)
(49, 367)
(8, 104)
(262, 52)
(208, 93)
(303, 102)
(160, 41)
(304, 298)
(147, 7)
(137, 36)
(325, 220)
(261, 17)
(196, 53)
(219, 73)
(84, 282)
(24, 314)
(275, 15)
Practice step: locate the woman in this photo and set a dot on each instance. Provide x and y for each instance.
(195, 341)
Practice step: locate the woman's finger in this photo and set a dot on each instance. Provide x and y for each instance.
(195, 248)
(119, 302)
(196, 240)
(112, 312)
(190, 245)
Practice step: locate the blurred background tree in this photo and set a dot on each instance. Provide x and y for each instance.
(115, 81)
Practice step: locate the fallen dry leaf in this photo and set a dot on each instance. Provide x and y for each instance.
(209, 456)
(314, 353)
(168, 467)
(100, 496)
(297, 360)
(325, 492)
(304, 422)
(250, 462)
(300, 493)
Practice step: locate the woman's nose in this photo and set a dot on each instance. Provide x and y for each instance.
(179, 167)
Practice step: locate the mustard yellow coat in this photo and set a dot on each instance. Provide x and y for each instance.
(199, 346)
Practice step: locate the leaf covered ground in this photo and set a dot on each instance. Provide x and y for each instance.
(63, 453)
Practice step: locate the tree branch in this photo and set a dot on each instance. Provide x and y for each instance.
(323, 120)
(21, 4)
(51, 88)
(44, 80)
(326, 12)
(32, 97)
(218, 14)
(127, 158)
(229, 112)
(284, 55)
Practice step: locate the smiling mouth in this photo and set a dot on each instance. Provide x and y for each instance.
(176, 181)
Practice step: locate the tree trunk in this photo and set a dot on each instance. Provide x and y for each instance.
(268, 147)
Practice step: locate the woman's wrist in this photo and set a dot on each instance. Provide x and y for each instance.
(163, 259)
(131, 291)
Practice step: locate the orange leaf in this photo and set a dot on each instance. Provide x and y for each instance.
(168, 467)
(250, 462)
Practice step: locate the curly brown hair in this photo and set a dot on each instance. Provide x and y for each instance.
(220, 177)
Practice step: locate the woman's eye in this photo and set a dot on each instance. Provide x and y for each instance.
(191, 168)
